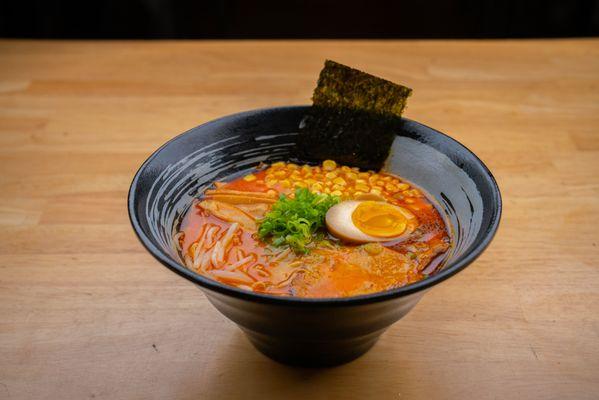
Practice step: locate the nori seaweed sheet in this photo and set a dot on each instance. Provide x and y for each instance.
(353, 119)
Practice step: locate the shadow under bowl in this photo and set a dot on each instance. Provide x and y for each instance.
(302, 331)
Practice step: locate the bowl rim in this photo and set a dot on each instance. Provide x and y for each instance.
(212, 285)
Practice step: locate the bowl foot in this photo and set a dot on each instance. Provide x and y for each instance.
(312, 353)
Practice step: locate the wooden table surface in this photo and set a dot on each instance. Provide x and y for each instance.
(85, 312)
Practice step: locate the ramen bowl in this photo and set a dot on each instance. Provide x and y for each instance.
(309, 331)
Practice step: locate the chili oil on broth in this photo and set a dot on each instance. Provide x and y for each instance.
(218, 239)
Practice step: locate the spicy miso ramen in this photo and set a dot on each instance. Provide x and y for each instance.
(313, 231)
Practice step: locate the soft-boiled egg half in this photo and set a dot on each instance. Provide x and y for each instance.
(369, 221)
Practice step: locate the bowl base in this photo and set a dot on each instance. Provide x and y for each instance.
(313, 354)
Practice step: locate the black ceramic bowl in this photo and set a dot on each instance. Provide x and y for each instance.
(309, 332)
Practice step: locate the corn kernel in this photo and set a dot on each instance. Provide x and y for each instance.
(386, 178)
(316, 186)
(331, 175)
(327, 190)
(249, 177)
(390, 187)
(280, 174)
(270, 182)
(403, 186)
(278, 164)
(409, 201)
(292, 166)
(345, 168)
(286, 183)
(358, 193)
(362, 187)
(328, 183)
(411, 193)
(337, 187)
(363, 181)
(337, 192)
(364, 175)
(339, 181)
(329, 165)
(310, 181)
(375, 191)
(300, 184)
(351, 176)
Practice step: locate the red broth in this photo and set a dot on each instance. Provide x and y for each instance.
(218, 238)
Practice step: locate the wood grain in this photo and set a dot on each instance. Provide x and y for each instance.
(87, 313)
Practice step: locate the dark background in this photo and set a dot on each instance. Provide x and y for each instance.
(225, 19)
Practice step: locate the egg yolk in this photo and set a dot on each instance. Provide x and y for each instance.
(379, 219)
